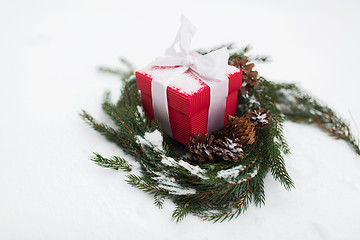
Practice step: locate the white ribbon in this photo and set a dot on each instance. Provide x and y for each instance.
(210, 68)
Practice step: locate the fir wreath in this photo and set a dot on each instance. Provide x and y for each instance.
(220, 190)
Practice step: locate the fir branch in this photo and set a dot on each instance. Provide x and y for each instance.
(234, 209)
(279, 172)
(180, 212)
(110, 70)
(258, 192)
(271, 137)
(159, 200)
(242, 204)
(123, 74)
(277, 163)
(298, 106)
(114, 162)
(142, 184)
(128, 65)
(229, 46)
(103, 129)
(119, 117)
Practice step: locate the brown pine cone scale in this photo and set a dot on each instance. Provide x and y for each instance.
(241, 129)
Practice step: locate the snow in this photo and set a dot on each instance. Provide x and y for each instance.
(195, 170)
(231, 172)
(152, 138)
(169, 161)
(50, 53)
(141, 113)
(155, 138)
(184, 82)
(247, 178)
(161, 72)
(187, 83)
(231, 70)
(170, 184)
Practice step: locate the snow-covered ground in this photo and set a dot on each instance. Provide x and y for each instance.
(49, 54)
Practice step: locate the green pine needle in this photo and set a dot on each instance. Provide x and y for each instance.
(115, 162)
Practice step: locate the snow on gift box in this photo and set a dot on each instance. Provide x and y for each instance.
(187, 92)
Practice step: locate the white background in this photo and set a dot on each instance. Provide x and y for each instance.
(49, 54)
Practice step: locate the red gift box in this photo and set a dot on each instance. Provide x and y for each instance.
(188, 102)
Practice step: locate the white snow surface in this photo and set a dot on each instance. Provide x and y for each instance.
(49, 55)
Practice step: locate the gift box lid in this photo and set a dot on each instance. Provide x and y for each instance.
(186, 93)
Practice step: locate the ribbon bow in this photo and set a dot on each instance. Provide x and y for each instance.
(211, 66)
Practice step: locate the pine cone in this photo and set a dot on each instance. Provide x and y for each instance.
(227, 149)
(200, 149)
(213, 148)
(241, 130)
(259, 118)
(249, 76)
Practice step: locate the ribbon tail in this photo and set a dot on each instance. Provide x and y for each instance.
(182, 40)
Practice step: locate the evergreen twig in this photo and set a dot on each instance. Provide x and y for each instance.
(115, 162)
